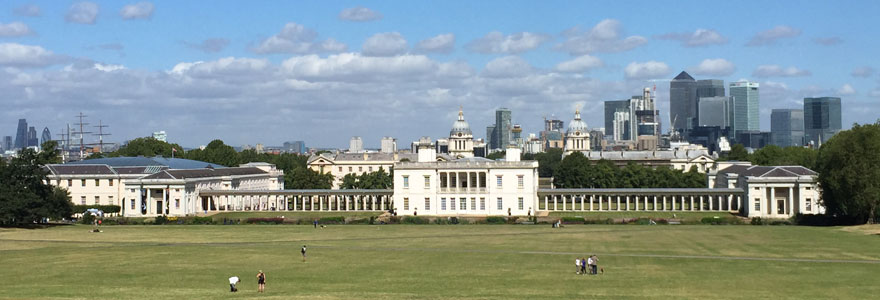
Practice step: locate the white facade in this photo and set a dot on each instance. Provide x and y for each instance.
(772, 192)
(466, 187)
(577, 137)
(461, 139)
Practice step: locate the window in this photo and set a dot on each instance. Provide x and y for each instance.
(473, 203)
(177, 190)
(83, 182)
(482, 203)
(82, 200)
(757, 189)
(520, 203)
(70, 182)
(97, 200)
(97, 182)
(808, 188)
(442, 203)
(110, 181)
(427, 203)
(809, 204)
(360, 169)
(405, 203)
(371, 169)
(757, 204)
(427, 181)
(500, 204)
(349, 169)
(110, 200)
(340, 169)
(176, 203)
(132, 204)
(406, 182)
(463, 203)
(520, 181)
(451, 203)
(498, 180)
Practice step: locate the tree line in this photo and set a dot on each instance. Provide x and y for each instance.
(577, 171)
(25, 195)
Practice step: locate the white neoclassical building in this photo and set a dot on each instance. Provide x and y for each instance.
(577, 136)
(461, 140)
(771, 191)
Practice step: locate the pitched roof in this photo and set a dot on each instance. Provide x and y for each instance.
(683, 76)
(768, 171)
(81, 169)
(140, 161)
(203, 173)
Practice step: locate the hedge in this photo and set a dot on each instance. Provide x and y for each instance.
(265, 220)
(414, 220)
(331, 220)
(495, 220)
(107, 209)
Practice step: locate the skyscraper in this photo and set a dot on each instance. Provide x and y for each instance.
(21, 134)
(647, 121)
(787, 127)
(821, 119)
(490, 137)
(503, 128)
(710, 88)
(612, 108)
(46, 136)
(713, 112)
(682, 101)
(356, 145)
(388, 145)
(32, 140)
(7, 143)
(744, 107)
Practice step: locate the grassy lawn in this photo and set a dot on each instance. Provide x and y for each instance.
(441, 262)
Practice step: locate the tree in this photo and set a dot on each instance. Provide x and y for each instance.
(218, 153)
(573, 172)
(548, 161)
(25, 197)
(373, 180)
(773, 155)
(496, 155)
(304, 178)
(737, 152)
(145, 146)
(849, 174)
(49, 153)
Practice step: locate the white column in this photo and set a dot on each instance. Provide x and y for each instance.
(773, 201)
(582, 202)
(564, 202)
(150, 201)
(555, 203)
(591, 202)
(692, 203)
(627, 202)
(789, 210)
(711, 199)
(664, 202)
(600, 202)
(546, 203)
(655, 202)
(618, 202)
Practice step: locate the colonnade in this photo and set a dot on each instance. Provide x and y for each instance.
(640, 199)
(294, 200)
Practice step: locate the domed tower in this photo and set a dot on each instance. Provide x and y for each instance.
(461, 140)
(577, 137)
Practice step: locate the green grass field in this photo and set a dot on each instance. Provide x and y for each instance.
(441, 262)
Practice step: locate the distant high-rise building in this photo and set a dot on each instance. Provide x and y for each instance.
(298, 147)
(706, 88)
(553, 124)
(388, 145)
(356, 145)
(754, 139)
(682, 101)
(713, 112)
(744, 107)
(621, 128)
(503, 128)
(21, 134)
(822, 119)
(46, 136)
(647, 121)
(7, 142)
(490, 137)
(160, 136)
(787, 127)
(32, 139)
(612, 107)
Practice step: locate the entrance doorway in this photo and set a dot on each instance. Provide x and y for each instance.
(159, 207)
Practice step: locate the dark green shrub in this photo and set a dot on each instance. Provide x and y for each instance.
(642, 222)
(360, 221)
(441, 221)
(814, 220)
(331, 220)
(394, 220)
(453, 220)
(414, 220)
(87, 219)
(572, 220)
(495, 220)
(160, 220)
(780, 222)
(758, 221)
(264, 221)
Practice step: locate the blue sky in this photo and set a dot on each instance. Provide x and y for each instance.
(272, 71)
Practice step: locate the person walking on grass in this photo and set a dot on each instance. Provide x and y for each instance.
(595, 264)
(261, 281)
(590, 264)
(303, 251)
(577, 265)
(584, 266)
(232, 281)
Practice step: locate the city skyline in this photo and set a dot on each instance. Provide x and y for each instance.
(322, 73)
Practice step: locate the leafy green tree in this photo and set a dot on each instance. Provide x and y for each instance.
(373, 180)
(849, 174)
(145, 146)
(573, 171)
(773, 155)
(548, 161)
(737, 152)
(25, 197)
(49, 153)
(304, 178)
(216, 152)
(496, 155)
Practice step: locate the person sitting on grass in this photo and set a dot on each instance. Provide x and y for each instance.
(232, 281)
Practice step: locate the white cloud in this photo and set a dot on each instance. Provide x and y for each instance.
(699, 38)
(14, 29)
(846, 90)
(713, 67)
(646, 70)
(443, 43)
(140, 10)
(211, 45)
(778, 71)
(828, 41)
(497, 42)
(223, 66)
(863, 72)
(108, 67)
(771, 36)
(28, 10)
(580, 64)
(18, 55)
(297, 39)
(82, 13)
(384, 44)
(508, 66)
(606, 37)
(346, 66)
(359, 14)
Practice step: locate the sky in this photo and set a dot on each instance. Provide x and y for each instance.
(249, 72)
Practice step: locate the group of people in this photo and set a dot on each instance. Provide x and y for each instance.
(590, 265)
(261, 277)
